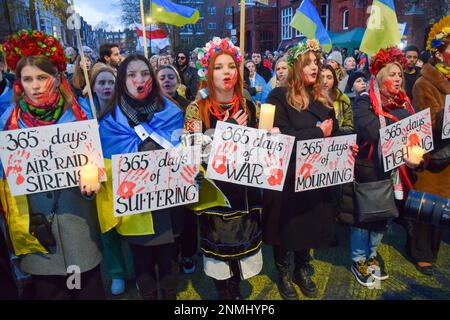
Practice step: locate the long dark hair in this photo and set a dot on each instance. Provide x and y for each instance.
(121, 87)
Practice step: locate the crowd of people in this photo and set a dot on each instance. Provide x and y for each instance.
(317, 95)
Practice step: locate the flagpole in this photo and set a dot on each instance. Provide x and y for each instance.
(83, 61)
(242, 40)
(143, 28)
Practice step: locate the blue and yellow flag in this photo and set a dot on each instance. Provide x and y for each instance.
(307, 21)
(382, 28)
(168, 12)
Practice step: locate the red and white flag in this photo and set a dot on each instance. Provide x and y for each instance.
(154, 34)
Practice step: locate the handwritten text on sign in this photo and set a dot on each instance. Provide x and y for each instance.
(324, 162)
(446, 125)
(398, 138)
(249, 156)
(49, 157)
(152, 180)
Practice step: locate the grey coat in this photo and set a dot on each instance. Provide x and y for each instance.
(76, 231)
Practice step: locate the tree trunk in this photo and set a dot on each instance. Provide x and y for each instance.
(33, 15)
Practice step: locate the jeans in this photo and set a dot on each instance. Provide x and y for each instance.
(364, 243)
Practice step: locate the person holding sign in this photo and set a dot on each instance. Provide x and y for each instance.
(431, 91)
(230, 230)
(297, 222)
(388, 102)
(141, 118)
(64, 221)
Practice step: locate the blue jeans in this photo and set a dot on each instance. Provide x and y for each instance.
(364, 243)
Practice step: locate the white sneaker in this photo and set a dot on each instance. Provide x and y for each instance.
(117, 286)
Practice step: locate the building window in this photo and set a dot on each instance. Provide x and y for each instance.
(229, 25)
(229, 11)
(212, 26)
(286, 17)
(345, 16)
(324, 15)
(211, 10)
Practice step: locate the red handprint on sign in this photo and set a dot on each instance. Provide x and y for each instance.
(126, 187)
(15, 165)
(274, 166)
(188, 174)
(222, 156)
(307, 168)
(387, 146)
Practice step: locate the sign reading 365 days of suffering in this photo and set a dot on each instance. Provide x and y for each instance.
(249, 156)
(446, 124)
(398, 138)
(49, 157)
(324, 162)
(152, 180)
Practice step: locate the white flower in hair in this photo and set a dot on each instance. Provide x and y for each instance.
(207, 46)
(216, 41)
(201, 73)
(200, 55)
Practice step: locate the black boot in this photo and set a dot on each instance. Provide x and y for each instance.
(222, 289)
(285, 286)
(303, 279)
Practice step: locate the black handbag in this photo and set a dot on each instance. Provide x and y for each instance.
(41, 229)
(374, 201)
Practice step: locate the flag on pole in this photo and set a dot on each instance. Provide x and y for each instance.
(266, 2)
(307, 21)
(158, 37)
(382, 28)
(168, 12)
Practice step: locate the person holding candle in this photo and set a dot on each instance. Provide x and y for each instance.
(298, 221)
(43, 97)
(430, 91)
(388, 100)
(152, 236)
(279, 80)
(230, 230)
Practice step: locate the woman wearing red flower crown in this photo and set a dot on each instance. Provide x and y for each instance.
(230, 230)
(43, 97)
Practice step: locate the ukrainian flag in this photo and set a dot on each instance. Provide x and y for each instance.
(382, 28)
(307, 21)
(168, 12)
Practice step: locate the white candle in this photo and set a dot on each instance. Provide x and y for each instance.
(89, 176)
(415, 155)
(266, 116)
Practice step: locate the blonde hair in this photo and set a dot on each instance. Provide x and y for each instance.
(384, 73)
(297, 91)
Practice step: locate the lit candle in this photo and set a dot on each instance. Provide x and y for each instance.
(89, 176)
(415, 155)
(266, 116)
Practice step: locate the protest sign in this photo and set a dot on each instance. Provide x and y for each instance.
(324, 162)
(398, 138)
(153, 180)
(249, 156)
(446, 124)
(49, 157)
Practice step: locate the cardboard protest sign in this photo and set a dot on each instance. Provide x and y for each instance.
(398, 138)
(153, 180)
(249, 156)
(49, 157)
(446, 124)
(324, 162)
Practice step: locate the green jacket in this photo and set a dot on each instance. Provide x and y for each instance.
(343, 111)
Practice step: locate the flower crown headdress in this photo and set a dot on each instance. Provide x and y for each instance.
(302, 48)
(27, 43)
(439, 32)
(385, 56)
(215, 45)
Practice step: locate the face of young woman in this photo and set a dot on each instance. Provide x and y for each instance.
(164, 61)
(104, 85)
(444, 57)
(225, 73)
(350, 64)
(87, 63)
(139, 80)
(282, 71)
(168, 81)
(394, 80)
(310, 71)
(359, 85)
(38, 85)
(251, 68)
(327, 79)
(333, 64)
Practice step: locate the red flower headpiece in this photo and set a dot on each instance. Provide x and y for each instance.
(33, 43)
(383, 57)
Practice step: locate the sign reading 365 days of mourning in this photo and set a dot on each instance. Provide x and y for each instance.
(398, 138)
(250, 157)
(49, 157)
(324, 162)
(446, 124)
(153, 180)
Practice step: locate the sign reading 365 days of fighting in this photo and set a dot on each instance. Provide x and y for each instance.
(50, 157)
(446, 124)
(153, 180)
(398, 138)
(249, 156)
(324, 162)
